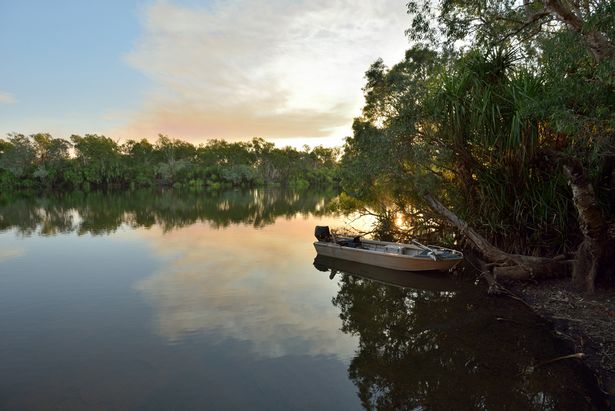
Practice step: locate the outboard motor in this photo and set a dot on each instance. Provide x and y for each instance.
(322, 233)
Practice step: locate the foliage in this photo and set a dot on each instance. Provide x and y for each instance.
(473, 111)
(18, 155)
(42, 161)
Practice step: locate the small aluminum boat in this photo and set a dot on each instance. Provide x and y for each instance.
(395, 256)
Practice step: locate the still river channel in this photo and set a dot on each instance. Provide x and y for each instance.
(168, 300)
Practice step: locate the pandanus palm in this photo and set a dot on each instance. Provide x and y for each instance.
(487, 111)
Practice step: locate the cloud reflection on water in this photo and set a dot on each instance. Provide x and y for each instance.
(255, 285)
(10, 253)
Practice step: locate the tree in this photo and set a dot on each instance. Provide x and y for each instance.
(98, 158)
(100, 162)
(485, 23)
(139, 161)
(18, 155)
(495, 116)
(52, 157)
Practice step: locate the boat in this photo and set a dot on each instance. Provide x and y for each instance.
(395, 256)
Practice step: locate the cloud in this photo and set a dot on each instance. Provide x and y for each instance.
(6, 98)
(269, 68)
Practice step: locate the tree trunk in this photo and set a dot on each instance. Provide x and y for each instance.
(596, 42)
(508, 266)
(592, 253)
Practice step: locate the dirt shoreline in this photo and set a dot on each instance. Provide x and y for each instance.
(585, 323)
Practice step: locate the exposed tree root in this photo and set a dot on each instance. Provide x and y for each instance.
(503, 265)
(593, 257)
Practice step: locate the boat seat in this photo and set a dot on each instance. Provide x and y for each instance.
(354, 243)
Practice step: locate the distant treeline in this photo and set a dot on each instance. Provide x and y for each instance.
(95, 161)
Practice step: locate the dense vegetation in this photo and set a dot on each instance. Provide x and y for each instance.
(494, 114)
(93, 161)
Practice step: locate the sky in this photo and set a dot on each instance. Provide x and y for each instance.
(289, 71)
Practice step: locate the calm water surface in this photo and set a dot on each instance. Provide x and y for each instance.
(167, 300)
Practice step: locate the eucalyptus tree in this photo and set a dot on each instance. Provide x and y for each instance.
(520, 23)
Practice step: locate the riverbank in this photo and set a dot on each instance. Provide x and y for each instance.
(586, 323)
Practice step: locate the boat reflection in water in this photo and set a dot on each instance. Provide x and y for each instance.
(430, 342)
(424, 280)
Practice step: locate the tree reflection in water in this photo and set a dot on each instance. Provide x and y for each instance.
(104, 212)
(451, 350)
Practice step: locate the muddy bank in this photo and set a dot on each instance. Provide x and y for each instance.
(585, 323)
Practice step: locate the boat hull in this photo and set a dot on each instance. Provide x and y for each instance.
(386, 260)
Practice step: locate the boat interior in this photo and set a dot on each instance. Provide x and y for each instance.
(415, 250)
(401, 249)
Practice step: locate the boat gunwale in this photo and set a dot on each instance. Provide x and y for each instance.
(458, 255)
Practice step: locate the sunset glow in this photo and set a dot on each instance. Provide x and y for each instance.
(282, 70)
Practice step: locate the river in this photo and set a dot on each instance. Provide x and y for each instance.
(196, 300)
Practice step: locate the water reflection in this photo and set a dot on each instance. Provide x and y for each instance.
(172, 301)
(435, 281)
(212, 283)
(103, 213)
(248, 285)
(8, 253)
(210, 301)
(445, 346)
